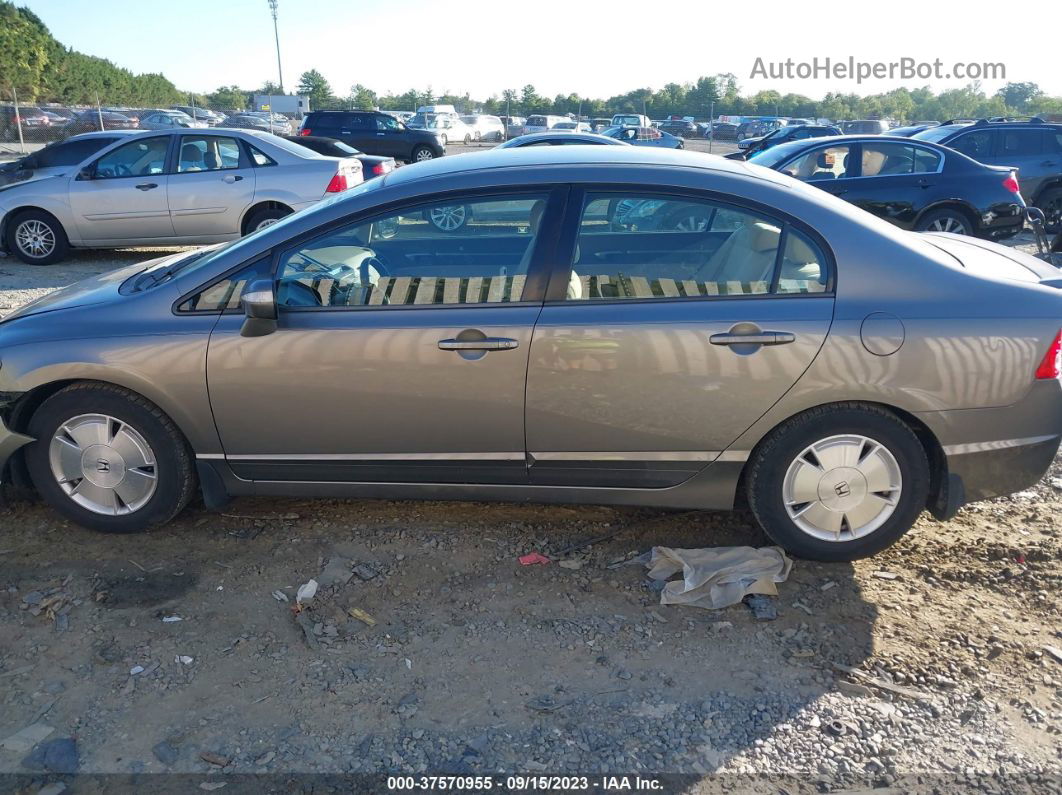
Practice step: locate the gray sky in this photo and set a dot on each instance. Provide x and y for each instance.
(595, 49)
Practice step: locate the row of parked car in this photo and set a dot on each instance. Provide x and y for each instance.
(54, 123)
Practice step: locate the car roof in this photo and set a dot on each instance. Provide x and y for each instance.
(592, 154)
(107, 133)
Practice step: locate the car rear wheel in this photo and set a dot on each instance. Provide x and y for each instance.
(954, 221)
(838, 483)
(109, 459)
(37, 238)
(467, 139)
(1051, 203)
(424, 153)
(263, 217)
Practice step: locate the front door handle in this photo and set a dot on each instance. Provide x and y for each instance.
(230, 178)
(485, 344)
(753, 338)
(147, 186)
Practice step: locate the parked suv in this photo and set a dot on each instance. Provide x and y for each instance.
(1033, 147)
(375, 133)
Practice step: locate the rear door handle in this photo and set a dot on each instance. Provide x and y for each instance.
(147, 185)
(755, 338)
(486, 344)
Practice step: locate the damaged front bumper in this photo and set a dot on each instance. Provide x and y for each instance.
(10, 442)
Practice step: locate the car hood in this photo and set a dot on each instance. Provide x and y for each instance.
(38, 176)
(93, 290)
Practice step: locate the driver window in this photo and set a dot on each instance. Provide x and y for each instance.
(474, 252)
(136, 159)
(386, 123)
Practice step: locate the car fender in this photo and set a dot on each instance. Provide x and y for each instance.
(1046, 185)
(33, 195)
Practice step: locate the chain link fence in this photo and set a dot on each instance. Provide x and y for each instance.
(26, 127)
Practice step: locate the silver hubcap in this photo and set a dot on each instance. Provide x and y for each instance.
(265, 223)
(948, 224)
(448, 218)
(842, 488)
(103, 464)
(424, 154)
(35, 238)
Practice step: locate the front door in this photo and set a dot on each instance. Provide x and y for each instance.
(126, 197)
(667, 340)
(401, 352)
(212, 186)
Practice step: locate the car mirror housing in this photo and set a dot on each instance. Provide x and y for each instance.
(260, 309)
(88, 172)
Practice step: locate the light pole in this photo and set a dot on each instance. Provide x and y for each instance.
(276, 35)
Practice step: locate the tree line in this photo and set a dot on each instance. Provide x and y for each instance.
(39, 69)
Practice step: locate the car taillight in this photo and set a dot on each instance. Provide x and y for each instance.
(1051, 365)
(379, 169)
(1011, 183)
(338, 183)
(305, 131)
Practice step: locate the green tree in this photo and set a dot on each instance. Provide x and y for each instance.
(1019, 95)
(313, 85)
(362, 98)
(228, 97)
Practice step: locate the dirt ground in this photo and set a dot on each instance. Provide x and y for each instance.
(935, 666)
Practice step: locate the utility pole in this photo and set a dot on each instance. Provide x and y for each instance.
(276, 35)
(711, 125)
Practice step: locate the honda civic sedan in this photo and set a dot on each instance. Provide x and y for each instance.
(791, 352)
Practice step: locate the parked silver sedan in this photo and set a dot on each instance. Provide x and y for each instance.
(793, 352)
(156, 188)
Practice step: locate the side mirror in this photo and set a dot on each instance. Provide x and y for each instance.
(260, 309)
(88, 172)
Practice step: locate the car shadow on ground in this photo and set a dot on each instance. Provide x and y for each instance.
(468, 662)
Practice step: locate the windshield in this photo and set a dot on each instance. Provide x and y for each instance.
(769, 158)
(936, 134)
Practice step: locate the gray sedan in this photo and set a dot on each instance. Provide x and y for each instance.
(157, 188)
(792, 351)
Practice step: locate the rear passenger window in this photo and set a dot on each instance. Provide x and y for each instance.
(977, 145)
(1021, 142)
(653, 247)
(889, 159)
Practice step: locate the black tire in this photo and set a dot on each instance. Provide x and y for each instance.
(173, 465)
(774, 455)
(467, 139)
(1050, 201)
(263, 216)
(944, 218)
(60, 245)
(422, 153)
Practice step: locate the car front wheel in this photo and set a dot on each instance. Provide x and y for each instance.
(37, 238)
(108, 459)
(422, 153)
(838, 483)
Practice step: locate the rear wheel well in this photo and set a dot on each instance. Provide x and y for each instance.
(269, 205)
(938, 463)
(1052, 184)
(969, 214)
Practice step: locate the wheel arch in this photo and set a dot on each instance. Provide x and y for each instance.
(5, 222)
(951, 204)
(269, 204)
(938, 463)
(1052, 183)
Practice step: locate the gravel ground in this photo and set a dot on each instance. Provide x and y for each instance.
(934, 666)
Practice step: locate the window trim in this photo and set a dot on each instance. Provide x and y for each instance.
(857, 148)
(560, 276)
(538, 272)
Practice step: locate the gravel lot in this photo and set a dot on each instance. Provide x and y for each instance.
(933, 667)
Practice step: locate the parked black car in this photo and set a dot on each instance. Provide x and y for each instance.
(683, 129)
(371, 165)
(724, 131)
(374, 133)
(89, 120)
(798, 132)
(1033, 147)
(914, 184)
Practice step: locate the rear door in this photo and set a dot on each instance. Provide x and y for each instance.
(401, 353)
(211, 187)
(895, 181)
(663, 341)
